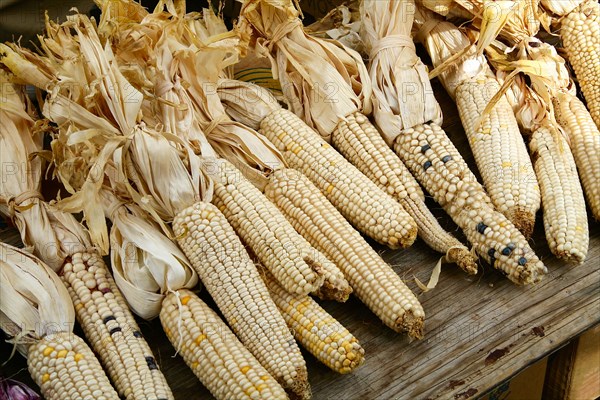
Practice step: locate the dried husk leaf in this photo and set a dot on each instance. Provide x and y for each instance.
(189, 58)
(256, 69)
(322, 80)
(402, 93)
(561, 7)
(237, 96)
(146, 264)
(454, 57)
(49, 232)
(33, 300)
(529, 57)
(342, 24)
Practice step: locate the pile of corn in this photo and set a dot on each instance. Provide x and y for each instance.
(251, 160)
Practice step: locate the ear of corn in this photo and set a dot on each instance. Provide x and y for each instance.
(357, 197)
(111, 329)
(565, 218)
(233, 281)
(374, 282)
(500, 152)
(212, 351)
(319, 332)
(580, 33)
(573, 117)
(454, 187)
(65, 368)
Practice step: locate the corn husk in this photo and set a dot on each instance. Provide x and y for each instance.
(45, 230)
(453, 55)
(402, 94)
(322, 80)
(33, 300)
(560, 8)
(241, 145)
(517, 23)
(342, 24)
(146, 264)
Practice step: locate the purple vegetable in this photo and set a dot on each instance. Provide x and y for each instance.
(14, 390)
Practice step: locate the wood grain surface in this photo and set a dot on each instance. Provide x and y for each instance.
(480, 330)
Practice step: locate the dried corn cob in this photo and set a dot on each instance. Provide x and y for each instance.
(147, 262)
(213, 352)
(319, 332)
(565, 219)
(585, 144)
(374, 282)
(380, 217)
(451, 183)
(497, 145)
(402, 98)
(234, 283)
(39, 315)
(64, 367)
(580, 33)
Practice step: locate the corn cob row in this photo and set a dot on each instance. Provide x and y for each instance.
(565, 218)
(297, 266)
(374, 282)
(320, 333)
(213, 352)
(573, 117)
(111, 329)
(580, 33)
(65, 368)
(232, 280)
(448, 179)
(356, 197)
(361, 144)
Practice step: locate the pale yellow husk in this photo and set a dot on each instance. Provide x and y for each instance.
(402, 93)
(33, 301)
(322, 80)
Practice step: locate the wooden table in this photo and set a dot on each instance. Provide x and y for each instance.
(480, 330)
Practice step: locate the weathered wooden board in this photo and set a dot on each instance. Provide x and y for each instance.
(479, 330)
